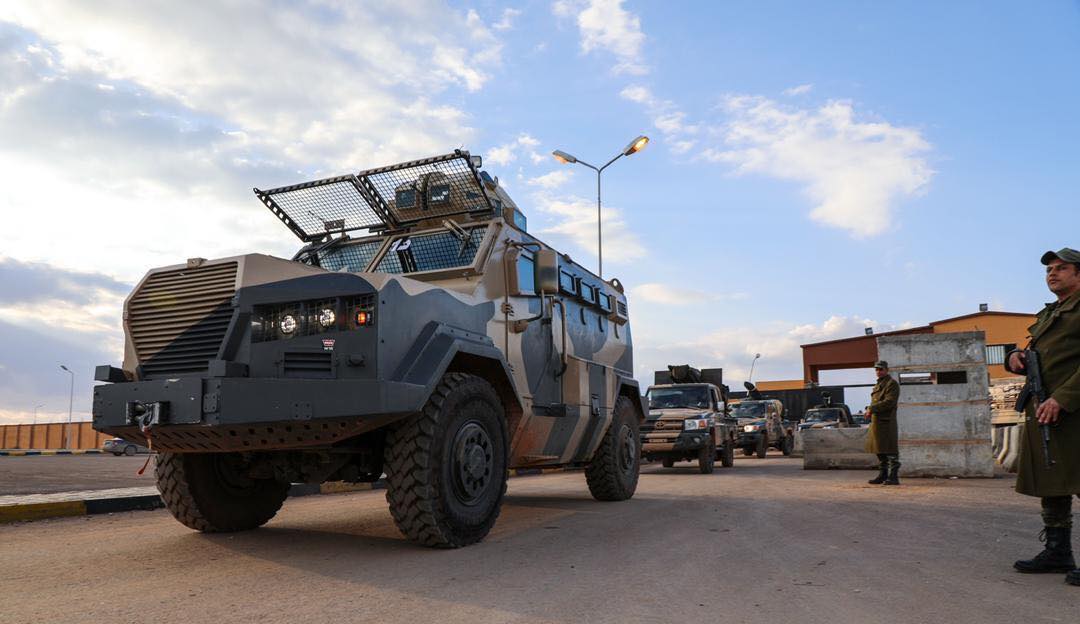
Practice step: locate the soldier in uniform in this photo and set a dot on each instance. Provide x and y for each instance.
(881, 438)
(1056, 337)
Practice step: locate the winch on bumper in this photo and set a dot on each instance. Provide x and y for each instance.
(196, 414)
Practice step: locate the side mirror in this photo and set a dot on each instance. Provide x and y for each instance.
(547, 271)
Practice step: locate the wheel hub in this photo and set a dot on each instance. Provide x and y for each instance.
(627, 449)
(473, 463)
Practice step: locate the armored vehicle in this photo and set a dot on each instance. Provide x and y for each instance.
(420, 332)
(828, 415)
(688, 419)
(762, 426)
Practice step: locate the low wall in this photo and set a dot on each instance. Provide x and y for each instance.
(835, 448)
(45, 436)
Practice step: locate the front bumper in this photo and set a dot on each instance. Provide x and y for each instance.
(244, 414)
(752, 438)
(667, 443)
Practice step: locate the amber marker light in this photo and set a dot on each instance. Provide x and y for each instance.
(362, 317)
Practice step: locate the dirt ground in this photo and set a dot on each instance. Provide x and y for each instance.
(764, 541)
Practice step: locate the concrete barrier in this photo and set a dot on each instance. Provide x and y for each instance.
(944, 424)
(835, 448)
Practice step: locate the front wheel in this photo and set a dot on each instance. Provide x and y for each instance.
(129, 450)
(762, 447)
(446, 465)
(788, 445)
(213, 493)
(612, 474)
(707, 458)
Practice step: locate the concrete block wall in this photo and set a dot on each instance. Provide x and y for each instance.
(835, 448)
(944, 427)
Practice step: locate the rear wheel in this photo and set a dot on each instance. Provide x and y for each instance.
(727, 456)
(212, 492)
(707, 458)
(667, 462)
(762, 447)
(446, 466)
(129, 450)
(747, 451)
(788, 445)
(612, 474)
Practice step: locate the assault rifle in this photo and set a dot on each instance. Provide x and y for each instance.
(1034, 388)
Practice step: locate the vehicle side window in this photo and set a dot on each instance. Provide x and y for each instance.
(526, 274)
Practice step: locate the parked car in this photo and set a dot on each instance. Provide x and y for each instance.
(120, 446)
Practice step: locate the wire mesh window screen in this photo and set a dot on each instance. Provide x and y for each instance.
(427, 190)
(351, 258)
(335, 206)
(431, 252)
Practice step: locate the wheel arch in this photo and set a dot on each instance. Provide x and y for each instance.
(628, 387)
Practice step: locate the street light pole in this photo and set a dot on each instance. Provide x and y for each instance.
(71, 403)
(752, 362)
(635, 146)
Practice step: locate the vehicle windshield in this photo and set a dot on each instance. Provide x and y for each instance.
(749, 410)
(822, 415)
(350, 257)
(668, 398)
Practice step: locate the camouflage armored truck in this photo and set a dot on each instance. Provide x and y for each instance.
(762, 426)
(442, 346)
(688, 419)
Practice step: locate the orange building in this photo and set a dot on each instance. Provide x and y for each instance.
(1004, 331)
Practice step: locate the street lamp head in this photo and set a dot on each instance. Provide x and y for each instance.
(65, 368)
(563, 157)
(636, 145)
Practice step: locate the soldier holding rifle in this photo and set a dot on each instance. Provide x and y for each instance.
(1049, 463)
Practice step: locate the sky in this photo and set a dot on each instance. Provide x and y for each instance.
(814, 168)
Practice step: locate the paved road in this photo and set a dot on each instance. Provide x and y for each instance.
(44, 474)
(763, 542)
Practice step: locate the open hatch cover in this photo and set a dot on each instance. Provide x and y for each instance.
(382, 198)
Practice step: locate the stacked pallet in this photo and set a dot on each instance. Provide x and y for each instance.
(1003, 394)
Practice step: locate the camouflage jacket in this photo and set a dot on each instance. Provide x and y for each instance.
(1056, 336)
(881, 438)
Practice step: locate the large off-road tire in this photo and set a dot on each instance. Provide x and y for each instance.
(667, 462)
(788, 445)
(727, 456)
(446, 465)
(706, 460)
(211, 492)
(612, 474)
(747, 451)
(762, 447)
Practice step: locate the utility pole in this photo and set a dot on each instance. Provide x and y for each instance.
(71, 403)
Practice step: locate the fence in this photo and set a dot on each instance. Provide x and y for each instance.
(45, 436)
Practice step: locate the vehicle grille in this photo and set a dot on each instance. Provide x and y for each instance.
(308, 365)
(178, 319)
(663, 426)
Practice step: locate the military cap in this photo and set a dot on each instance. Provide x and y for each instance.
(1064, 254)
(881, 364)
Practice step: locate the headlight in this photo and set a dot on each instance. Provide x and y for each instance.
(287, 324)
(693, 424)
(750, 428)
(327, 317)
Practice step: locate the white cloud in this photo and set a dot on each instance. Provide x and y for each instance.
(506, 22)
(575, 220)
(552, 180)
(666, 117)
(508, 152)
(799, 90)
(733, 348)
(666, 294)
(606, 25)
(854, 171)
(170, 118)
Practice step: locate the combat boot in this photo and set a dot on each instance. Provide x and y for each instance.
(894, 474)
(1056, 557)
(882, 473)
